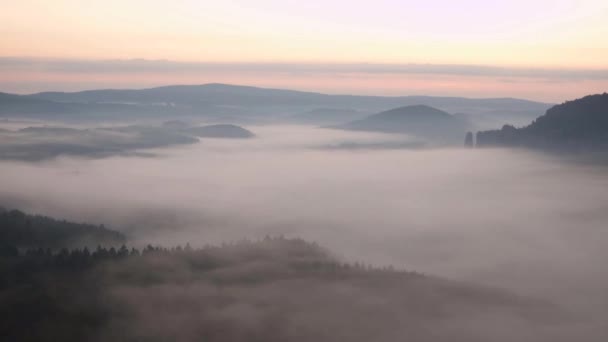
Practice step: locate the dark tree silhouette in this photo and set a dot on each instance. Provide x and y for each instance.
(572, 126)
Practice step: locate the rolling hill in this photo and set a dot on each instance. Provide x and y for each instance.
(420, 121)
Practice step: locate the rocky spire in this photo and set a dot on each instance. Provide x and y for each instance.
(468, 140)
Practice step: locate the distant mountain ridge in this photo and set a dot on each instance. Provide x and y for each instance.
(253, 94)
(222, 101)
(581, 124)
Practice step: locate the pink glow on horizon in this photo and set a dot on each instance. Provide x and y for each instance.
(345, 83)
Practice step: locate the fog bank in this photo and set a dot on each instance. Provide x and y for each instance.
(518, 220)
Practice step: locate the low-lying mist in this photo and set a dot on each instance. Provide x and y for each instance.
(526, 222)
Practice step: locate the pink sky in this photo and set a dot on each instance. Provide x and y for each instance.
(515, 35)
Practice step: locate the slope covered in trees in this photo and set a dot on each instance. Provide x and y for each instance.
(572, 126)
(275, 289)
(20, 230)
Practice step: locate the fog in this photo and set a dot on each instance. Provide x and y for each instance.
(527, 222)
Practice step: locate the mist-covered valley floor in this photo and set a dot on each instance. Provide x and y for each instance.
(527, 223)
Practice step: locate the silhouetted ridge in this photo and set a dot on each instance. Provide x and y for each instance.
(574, 125)
(417, 111)
(19, 229)
(419, 120)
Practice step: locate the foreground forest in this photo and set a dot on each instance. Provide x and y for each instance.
(274, 289)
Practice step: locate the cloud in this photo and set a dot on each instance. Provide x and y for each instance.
(43, 143)
(80, 66)
(522, 221)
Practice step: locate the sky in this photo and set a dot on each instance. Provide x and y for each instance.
(545, 50)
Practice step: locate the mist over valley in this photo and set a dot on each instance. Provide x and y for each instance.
(313, 171)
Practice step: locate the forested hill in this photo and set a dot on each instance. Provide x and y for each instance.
(421, 121)
(19, 229)
(275, 289)
(572, 126)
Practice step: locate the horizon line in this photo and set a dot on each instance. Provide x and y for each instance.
(277, 89)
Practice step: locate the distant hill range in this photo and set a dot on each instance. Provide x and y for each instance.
(573, 126)
(221, 101)
(420, 121)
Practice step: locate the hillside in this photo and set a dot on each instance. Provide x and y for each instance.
(275, 289)
(32, 107)
(576, 125)
(21, 230)
(420, 121)
(19, 105)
